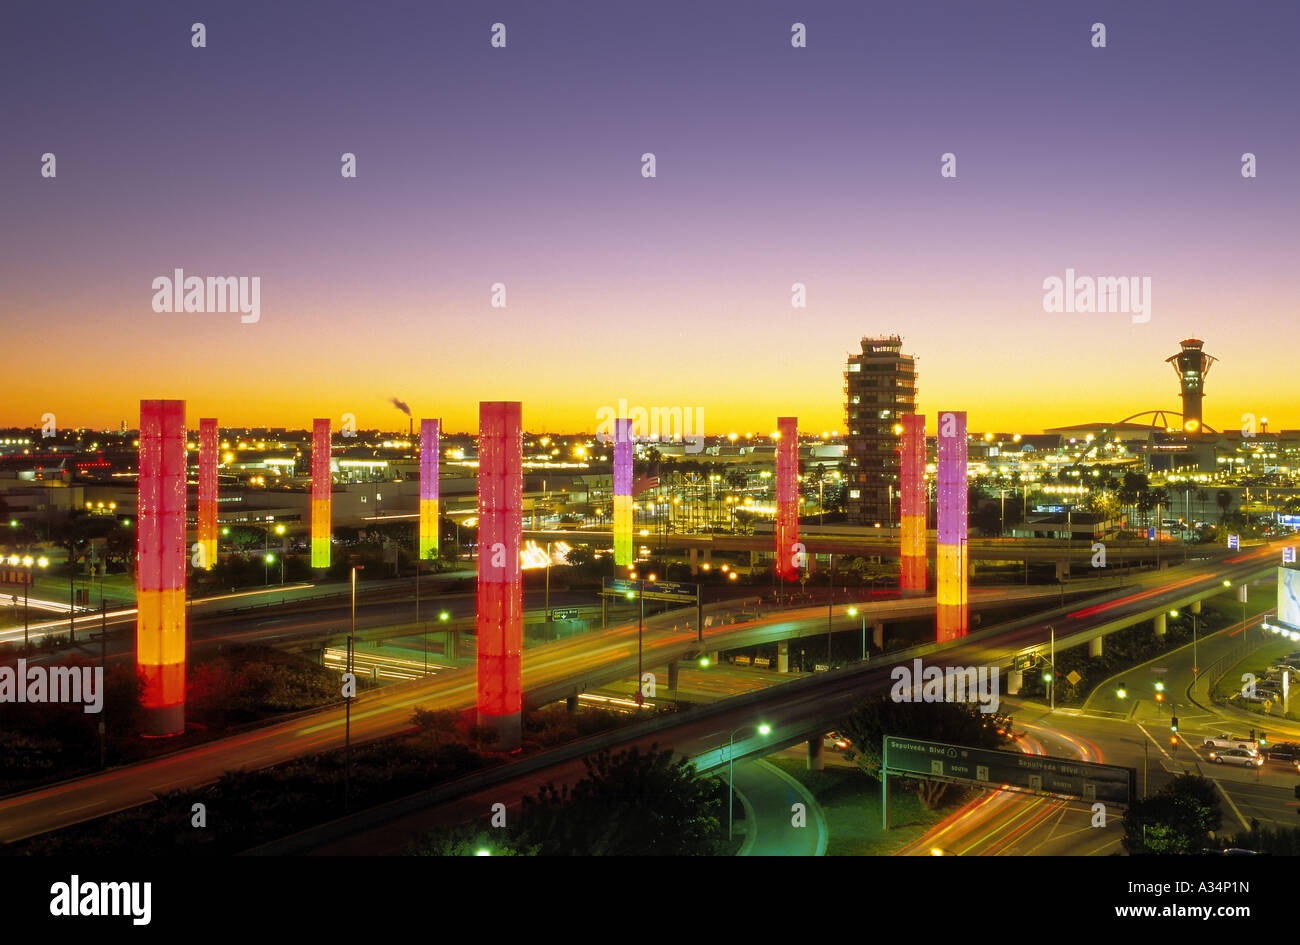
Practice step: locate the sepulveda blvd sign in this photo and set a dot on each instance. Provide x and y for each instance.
(651, 590)
(1038, 774)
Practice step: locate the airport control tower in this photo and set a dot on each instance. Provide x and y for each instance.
(1191, 364)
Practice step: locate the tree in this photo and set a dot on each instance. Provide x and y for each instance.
(470, 840)
(628, 804)
(1224, 500)
(957, 723)
(1177, 819)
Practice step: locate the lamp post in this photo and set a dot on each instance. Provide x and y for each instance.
(640, 628)
(28, 562)
(763, 729)
(830, 604)
(853, 612)
(347, 724)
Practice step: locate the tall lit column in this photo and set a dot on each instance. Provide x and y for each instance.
(429, 446)
(207, 520)
(622, 492)
(320, 493)
(500, 584)
(911, 503)
(788, 559)
(950, 564)
(160, 577)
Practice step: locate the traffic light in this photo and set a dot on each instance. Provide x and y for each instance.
(1263, 740)
(1173, 724)
(1160, 687)
(1121, 691)
(1160, 697)
(1173, 741)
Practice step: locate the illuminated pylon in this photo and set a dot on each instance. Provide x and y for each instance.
(789, 557)
(209, 457)
(912, 504)
(622, 492)
(500, 583)
(321, 488)
(429, 446)
(160, 578)
(950, 564)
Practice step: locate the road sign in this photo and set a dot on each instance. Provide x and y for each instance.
(1151, 533)
(1073, 677)
(1025, 661)
(1234, 542)
(569, 613)
(651, 590)
(1288, 554)
(1040, 774)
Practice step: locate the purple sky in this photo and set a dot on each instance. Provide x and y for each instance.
(522, 165)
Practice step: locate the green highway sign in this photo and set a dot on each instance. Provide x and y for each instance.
(1037, 774)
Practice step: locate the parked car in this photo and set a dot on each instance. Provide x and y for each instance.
(1236, 756)
(1231, 741)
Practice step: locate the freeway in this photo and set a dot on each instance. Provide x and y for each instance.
(812, 705)
(558, 669)
(887, 545)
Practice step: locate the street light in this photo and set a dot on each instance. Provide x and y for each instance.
(853, 612)
(763, 729)
(347, 724)
(28, 562)
(1196, 663)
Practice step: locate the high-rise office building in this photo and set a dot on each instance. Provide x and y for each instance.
(879, 388)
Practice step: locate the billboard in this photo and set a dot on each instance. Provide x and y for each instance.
(1288, 597)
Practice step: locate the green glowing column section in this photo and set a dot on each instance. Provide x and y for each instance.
(160, 574)
(500, 582)
(951, 615)
(429, 445)
(622, 492)
(321, 487)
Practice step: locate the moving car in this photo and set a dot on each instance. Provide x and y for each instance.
(836, 742)
(1236, 756)
(1288, 752)
(1231, 741)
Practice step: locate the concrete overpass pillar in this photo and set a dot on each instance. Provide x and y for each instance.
(1161, 626)
(571, 703)
(1196, 606)
(695, 561)
(673, 673)
(783, 656)
(816, 754)
(713, 658)
(1015, 679)
(708, 557)
(1094, 646)
(452, 649)
(878, 636)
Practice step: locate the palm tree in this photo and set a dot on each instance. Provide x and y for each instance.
(1224, 499)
